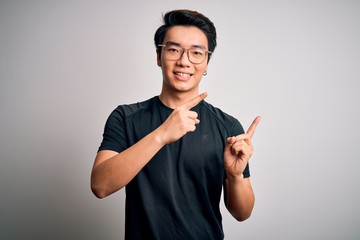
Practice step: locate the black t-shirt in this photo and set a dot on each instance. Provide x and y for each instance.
(177, 194)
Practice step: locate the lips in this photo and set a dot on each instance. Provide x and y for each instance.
(183, 76)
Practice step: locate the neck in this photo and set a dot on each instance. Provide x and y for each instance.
(174, 99)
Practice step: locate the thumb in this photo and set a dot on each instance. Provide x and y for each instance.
(229, 142)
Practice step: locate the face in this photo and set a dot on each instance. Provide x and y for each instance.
(182, 75)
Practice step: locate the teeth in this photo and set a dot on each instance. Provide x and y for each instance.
(183, 74)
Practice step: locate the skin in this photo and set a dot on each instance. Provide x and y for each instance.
(180, 91)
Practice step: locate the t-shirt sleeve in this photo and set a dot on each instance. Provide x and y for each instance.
(114, 132)
(236, 130)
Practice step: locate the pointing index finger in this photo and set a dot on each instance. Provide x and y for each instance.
(193, 102)
(253, 125)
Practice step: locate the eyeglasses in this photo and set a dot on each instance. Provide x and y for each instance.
(173, 52)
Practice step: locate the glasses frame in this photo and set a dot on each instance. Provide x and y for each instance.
(187, 52)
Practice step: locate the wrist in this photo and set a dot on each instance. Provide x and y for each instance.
(235, 178)
(158, 136)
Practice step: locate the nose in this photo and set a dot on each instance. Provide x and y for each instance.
(184, 59)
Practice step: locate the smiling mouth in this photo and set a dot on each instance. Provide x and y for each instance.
(183, 74)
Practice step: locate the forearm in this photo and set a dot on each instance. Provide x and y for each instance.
(112, 174)
(240, 197)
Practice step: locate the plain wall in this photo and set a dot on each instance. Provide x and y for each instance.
(65, 65)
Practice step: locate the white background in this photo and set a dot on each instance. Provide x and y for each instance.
(65, 65)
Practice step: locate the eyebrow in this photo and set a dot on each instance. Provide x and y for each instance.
(192, 46)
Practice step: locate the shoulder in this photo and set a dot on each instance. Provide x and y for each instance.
(128, 110)
(218, 113)
(226, 120)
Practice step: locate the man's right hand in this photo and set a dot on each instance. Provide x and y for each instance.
(181, 120)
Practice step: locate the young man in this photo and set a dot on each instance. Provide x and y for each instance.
(175, 152)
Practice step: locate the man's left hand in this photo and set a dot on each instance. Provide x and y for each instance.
(238, 151)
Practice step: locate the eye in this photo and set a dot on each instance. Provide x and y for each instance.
(197, 52)
(172, 49)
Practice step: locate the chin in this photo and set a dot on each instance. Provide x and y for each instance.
(185, 88)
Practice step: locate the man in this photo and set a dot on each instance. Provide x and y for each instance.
(174, 152)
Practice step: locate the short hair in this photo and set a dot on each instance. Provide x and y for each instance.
(184, 17)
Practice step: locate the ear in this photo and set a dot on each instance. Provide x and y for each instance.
(158, 57)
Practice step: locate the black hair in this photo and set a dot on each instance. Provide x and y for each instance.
(184, 17)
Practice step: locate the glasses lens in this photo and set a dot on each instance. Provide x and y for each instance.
(196, 55)
(173, 52)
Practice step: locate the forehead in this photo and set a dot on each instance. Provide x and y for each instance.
(186, 36)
